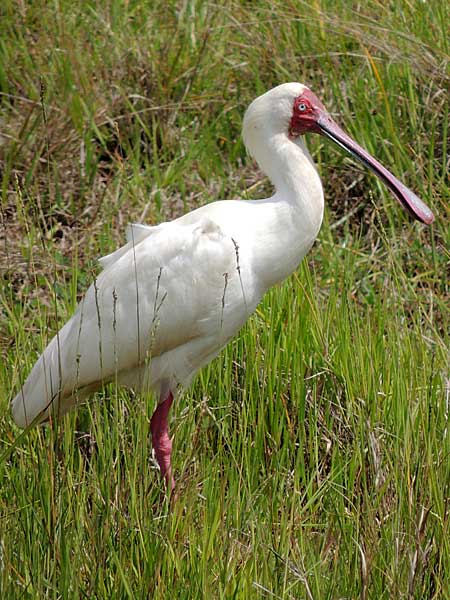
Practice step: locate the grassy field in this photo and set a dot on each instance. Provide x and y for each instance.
(313, 456)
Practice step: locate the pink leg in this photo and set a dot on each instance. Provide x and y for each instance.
(162, 444)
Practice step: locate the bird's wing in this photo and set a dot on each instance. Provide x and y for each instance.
(155, 295)
(136, 232)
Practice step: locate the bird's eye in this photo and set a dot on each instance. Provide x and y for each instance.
(302, 107)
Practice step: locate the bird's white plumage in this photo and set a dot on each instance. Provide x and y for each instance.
(170, 299)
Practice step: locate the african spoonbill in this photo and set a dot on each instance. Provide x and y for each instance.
(171, 298)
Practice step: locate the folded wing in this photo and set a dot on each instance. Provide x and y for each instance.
(163, 289)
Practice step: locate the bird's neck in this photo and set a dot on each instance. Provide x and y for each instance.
(296, 209)
(290, 167)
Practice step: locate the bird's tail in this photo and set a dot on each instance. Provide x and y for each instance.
(41, 394)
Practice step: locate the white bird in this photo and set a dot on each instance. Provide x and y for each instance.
(168, 301)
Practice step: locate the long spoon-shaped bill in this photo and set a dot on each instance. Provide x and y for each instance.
(413, 204)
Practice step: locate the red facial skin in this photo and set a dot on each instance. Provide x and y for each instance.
(306, 111)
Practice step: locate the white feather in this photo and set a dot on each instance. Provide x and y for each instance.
(170, 299)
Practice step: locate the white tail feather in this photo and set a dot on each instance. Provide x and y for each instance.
(42, 392)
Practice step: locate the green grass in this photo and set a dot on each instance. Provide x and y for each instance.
(313, 456)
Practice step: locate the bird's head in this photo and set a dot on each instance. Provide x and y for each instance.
(292, 109)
